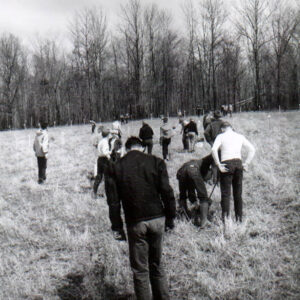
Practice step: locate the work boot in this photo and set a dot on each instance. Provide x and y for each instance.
(203, 214)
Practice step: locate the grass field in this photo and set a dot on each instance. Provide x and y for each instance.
(56, 241)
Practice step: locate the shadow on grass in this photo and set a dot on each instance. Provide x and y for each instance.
(75, 289)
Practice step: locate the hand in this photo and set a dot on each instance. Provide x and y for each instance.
(119, 235)
(245, 167)
(223, 168)
(169, 225)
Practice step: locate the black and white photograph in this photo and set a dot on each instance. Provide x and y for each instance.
(149, 149)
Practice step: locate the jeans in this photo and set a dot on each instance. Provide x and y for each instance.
(102, 164)
(234, 178)
(191, 141)
(165, 144)
(148, 143)
(42, 166)
(145, 251)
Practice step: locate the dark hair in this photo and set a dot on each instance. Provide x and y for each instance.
(225, 125)
(44, 125)
(133, 141)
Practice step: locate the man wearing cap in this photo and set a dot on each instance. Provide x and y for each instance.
(166, 133)
(103, 159)
(146, 135)
(231, 167)
(148, 202)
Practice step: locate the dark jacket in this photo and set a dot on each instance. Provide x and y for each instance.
(143, 188)
(202, 167)
(146, 132)
(192, 127)
(212, 130)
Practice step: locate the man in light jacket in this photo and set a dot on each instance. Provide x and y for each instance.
(40, 147)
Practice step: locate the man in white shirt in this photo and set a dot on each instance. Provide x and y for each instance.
(231, 167)
(103, 159)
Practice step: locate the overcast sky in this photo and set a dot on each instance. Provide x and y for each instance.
(49, 18)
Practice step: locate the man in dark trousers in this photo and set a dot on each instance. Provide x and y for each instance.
(231, 167)
(192, 132)
(191, 177)
(146, 135)
(210, 133)
(40, 147)
(214, 128)
(148, 202)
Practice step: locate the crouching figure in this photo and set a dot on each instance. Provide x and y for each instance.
(191, 177)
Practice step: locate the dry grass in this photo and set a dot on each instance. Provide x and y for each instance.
(56, 241)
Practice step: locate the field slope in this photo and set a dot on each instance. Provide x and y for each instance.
(56, 241)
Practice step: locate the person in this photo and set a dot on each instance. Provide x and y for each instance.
(231, 167)
(184, 131)
(191, 177)
(210, 134)
(166, 133)
(192, 132)
(230, 109)
(95, 141)
(214, 128)
(116, 127)
(149, 206)
(93, 125)
(41, 147)
(146, 135)
(104, 153)
(207, 118)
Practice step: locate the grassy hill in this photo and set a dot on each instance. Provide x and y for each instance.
(56, 242)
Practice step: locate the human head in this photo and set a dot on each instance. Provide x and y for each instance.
(225, 126)
(100, 128)
(44, 125)
(105, 132)
(165, 119)
(133, 142)
(217, 114)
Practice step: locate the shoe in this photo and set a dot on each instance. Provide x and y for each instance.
(40, 181)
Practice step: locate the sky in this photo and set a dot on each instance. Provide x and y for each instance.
(29, 19)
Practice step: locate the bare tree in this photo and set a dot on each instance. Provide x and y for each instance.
(284, 24)
(253, 25)
(12, 76)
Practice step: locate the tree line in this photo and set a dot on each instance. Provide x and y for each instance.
(146, 66)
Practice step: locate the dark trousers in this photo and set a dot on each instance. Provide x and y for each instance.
(145, 251)
(148, 143)
(185, 142)
(189, 184)
(234, 179)
(42, 166)
(102, 165)
(165, 147)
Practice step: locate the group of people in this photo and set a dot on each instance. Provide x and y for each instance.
(138, 183)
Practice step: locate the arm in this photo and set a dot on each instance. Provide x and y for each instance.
(45, 144)
(207, 134)
(251, 153)
(114, 204)
(214, 152)
(167, 194)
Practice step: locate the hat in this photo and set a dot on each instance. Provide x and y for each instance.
(217, 114)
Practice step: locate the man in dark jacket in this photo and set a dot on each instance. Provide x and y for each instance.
(192, 132)
(191, 177)
(149, 206)
(146, 135)
(214, 128)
